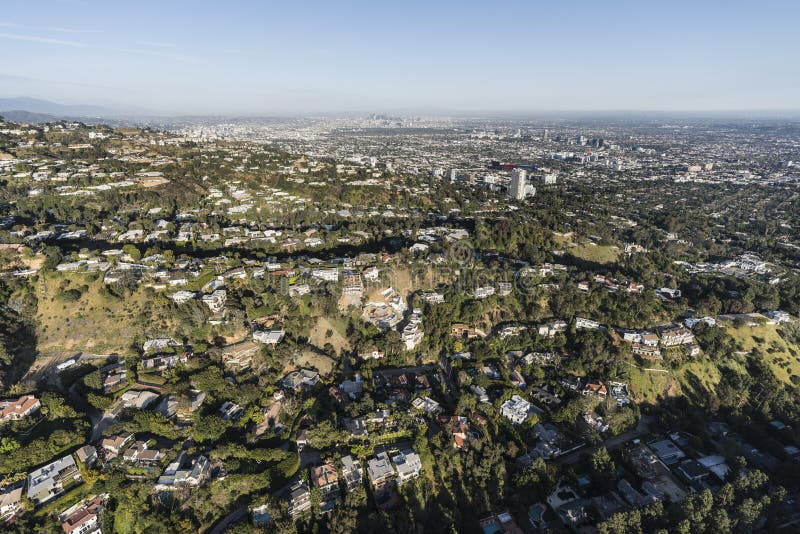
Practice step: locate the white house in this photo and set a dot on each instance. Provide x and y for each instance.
(515, 409)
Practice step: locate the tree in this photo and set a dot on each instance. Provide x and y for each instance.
(132, 251)
(8, 444)
(208, 428)
(324, 435)
(602, 464)
(52, 258)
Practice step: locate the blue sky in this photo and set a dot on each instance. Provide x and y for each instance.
(274, 57)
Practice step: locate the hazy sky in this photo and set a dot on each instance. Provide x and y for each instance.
(224, 56)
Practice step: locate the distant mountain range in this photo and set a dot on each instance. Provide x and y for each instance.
(36, 105)
(35, 110)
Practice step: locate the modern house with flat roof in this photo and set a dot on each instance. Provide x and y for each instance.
(52, 479)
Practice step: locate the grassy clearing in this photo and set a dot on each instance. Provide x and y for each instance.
(400, 281)
(318, 334)
(696, 378)
(692, 379)
(648, 386)
(562, 239)
(596, 253)
(782, 357)
(95, 323)
(309, 358)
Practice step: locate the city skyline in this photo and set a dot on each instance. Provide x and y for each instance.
(248, 58)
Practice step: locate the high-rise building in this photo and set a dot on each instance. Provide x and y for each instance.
(517, 187)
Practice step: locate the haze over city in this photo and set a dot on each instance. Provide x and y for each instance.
(349, 267)
(274, 57)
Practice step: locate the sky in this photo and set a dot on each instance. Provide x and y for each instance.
(267, 57)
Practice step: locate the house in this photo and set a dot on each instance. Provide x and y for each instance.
(269, 337)
(463, 331)
(355, 426)
(299, 498)
(427, 405)
(483, 292)
(544, 396)
(370, 273)
(550, 330)
(693, 472)
(298, 290)
(479, 392)
(182, 473)
(159, 344)
(230, 411)
(216, 300)
(595, 422)
(140, 454)
(630, 494)
(669, 292)
(326, 479)
(167, 406)
(515, 409)
(182, 297)
(460, 431)
(586, 324)
(305, 378)
(619, 392)
(302, 439)
(502, 522)
(516, 379)
(597, 388)
(715, 464)
(352, 284)
(411, 336)
(379, 470)
(116, 444)
(87, 455)
(408, 465)
(189, 403)
(239, 356)
(667, 451)
(432, 298)
(374, 354)
(649, 339)
(647, 352)
(567, 505)
(115, 378)
(352, 472)
(15, 409)
(52, 479)
(160, 362)
(677, 335)
(353, 388)
(328, 275)
(138, 399)
(691, 322)
(572, 383)
(82, 518)
(779, 316)
(10, 501)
